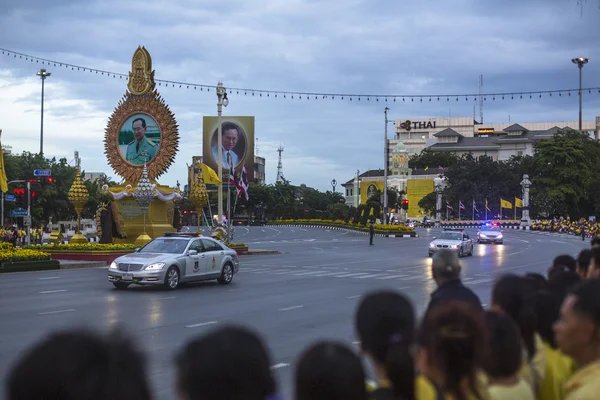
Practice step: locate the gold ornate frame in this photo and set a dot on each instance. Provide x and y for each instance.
(142, 98)
(153, 105)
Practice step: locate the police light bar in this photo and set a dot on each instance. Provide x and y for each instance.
(182, 234)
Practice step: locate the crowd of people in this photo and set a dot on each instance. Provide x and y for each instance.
(582, 227)
(18, 236)
(538, 339)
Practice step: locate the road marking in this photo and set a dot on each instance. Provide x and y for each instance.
(356, 343)
(354, 297)
(280, 365)
(53, 291)
(404, 288)
(290, 308)
(201, 324)
(48, 278)
(57, 311)
(393, 276)
(308, 273)
(367, 276)
(349, 275)
(285, 272)
(167, 298)
(233, 290)
(478, 281)
(412, 278)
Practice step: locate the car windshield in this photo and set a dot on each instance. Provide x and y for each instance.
(171, 246)
(450, 236)
(491, 228)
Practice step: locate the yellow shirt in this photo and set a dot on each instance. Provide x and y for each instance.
(559, 369)
(584, 384)
(519, 391)
(424, 390)
(539, 365)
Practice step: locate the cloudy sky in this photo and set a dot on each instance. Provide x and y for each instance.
(350, 46)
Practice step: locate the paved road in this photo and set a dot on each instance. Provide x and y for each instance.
(310, 292)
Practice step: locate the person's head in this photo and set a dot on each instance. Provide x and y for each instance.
(547, 309)
(329, 371)
(583, 262)
(504, 353)
(445, 266)
(595, 242)
(565, 260)
(231, 135)
(230, 363)
(538, 281)
(561, 282)
(139, 128)
(514, 296)
(385, 324)
(594, 266)
(452, 346)
(80, 365)
(578, 328)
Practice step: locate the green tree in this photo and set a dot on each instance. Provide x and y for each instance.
(432, 159)
(427, 203)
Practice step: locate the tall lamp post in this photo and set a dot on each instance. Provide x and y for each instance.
(43, 74)
(222, 101)
(580, 63)
(385, 166)
(333, 184)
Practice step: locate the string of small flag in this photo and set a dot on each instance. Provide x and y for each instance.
(300, 95)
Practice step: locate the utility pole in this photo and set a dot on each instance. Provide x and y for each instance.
(580, 62)
(43, 74)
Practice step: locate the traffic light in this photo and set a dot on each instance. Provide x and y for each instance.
(50, 179)
(19, 197)
(405, 204)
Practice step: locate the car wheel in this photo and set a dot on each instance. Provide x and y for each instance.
(430, 254)
(226, 275)
(172, 278)
(478, 241)
(460, 252)
(121, 285)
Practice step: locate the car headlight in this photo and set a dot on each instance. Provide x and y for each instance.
(499, 236)
(482, 236)
(455, 246)
(154, 267)
(114, 265)
(431, 245)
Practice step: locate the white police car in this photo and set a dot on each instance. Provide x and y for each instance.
(490, 233)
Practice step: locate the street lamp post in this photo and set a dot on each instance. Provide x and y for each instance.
(333, 184)
(43, 74)
(580, 63)
(222, 101)
(385, 167)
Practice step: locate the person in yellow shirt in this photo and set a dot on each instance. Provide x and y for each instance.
(503, 361)
(578, 335)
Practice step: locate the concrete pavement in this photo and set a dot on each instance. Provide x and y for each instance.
(308, 293)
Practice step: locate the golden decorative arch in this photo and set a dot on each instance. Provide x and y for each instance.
(153, 105)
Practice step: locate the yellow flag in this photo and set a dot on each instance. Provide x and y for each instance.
(486, 205)
(363, 213)
(426, 168)
(210, 176)
(3, 178)
(505, 203)
(371, 212)
(518, 202)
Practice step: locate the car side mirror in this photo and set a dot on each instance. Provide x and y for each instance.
(192, 252)
(137, 249)
(434, 237)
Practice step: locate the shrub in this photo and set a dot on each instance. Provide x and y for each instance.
(84, 247)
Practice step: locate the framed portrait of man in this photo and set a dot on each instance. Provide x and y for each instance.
(139, 139)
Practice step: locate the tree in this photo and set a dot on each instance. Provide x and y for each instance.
(427, 203)
(432, 159)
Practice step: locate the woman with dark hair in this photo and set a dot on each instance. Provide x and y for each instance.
(329, 371)
(230, 363)
(385, 324)
(514, 296)
(452, 348)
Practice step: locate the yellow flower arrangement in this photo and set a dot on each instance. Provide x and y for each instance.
(9, 255)
(84, 247)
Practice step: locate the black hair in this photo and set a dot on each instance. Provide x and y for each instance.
(595, 241)
(566, 260)
(385, 323)
(595, 255)
(587, 300)
(514, 296)
(80, 365)
(227, 126)
(329, 371)
(538, 281)
(139, 119)
(230, 363)
(547, 308)
(504, 357)
(561, 282)
(454, 336)
(583, 260)
(557, 269)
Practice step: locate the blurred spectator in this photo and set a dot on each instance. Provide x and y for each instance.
(385, 323)
(504, 359)
(583, 262)
(561, 282)
(445, 269)
(329, 371)
(538, 281)
(578, 335)
(512, 295)
(230, 363)
(594, 267)
(595, 242)
(80, 365)
(452, 345)
(566, 260)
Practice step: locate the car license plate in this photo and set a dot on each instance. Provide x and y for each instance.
(128, 277)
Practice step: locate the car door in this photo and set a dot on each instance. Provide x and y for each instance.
(214, 256)
(195, 265)
(468, 243)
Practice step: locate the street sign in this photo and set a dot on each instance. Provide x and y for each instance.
(42, 172)
(27, 221)
(18, 212)
(10, 197)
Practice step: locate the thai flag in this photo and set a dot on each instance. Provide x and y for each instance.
(448, 206)
(474, 206)
(244, 183)
(232, 179)
(461, 205)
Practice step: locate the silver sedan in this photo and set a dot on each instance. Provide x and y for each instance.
(457, 241)
(174, 259)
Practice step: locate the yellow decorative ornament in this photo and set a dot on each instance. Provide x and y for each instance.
(199, 198)
(141, 78)
(78, 196)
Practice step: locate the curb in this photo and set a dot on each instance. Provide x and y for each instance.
(260, 252)
(74, 264)
(336, 228)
